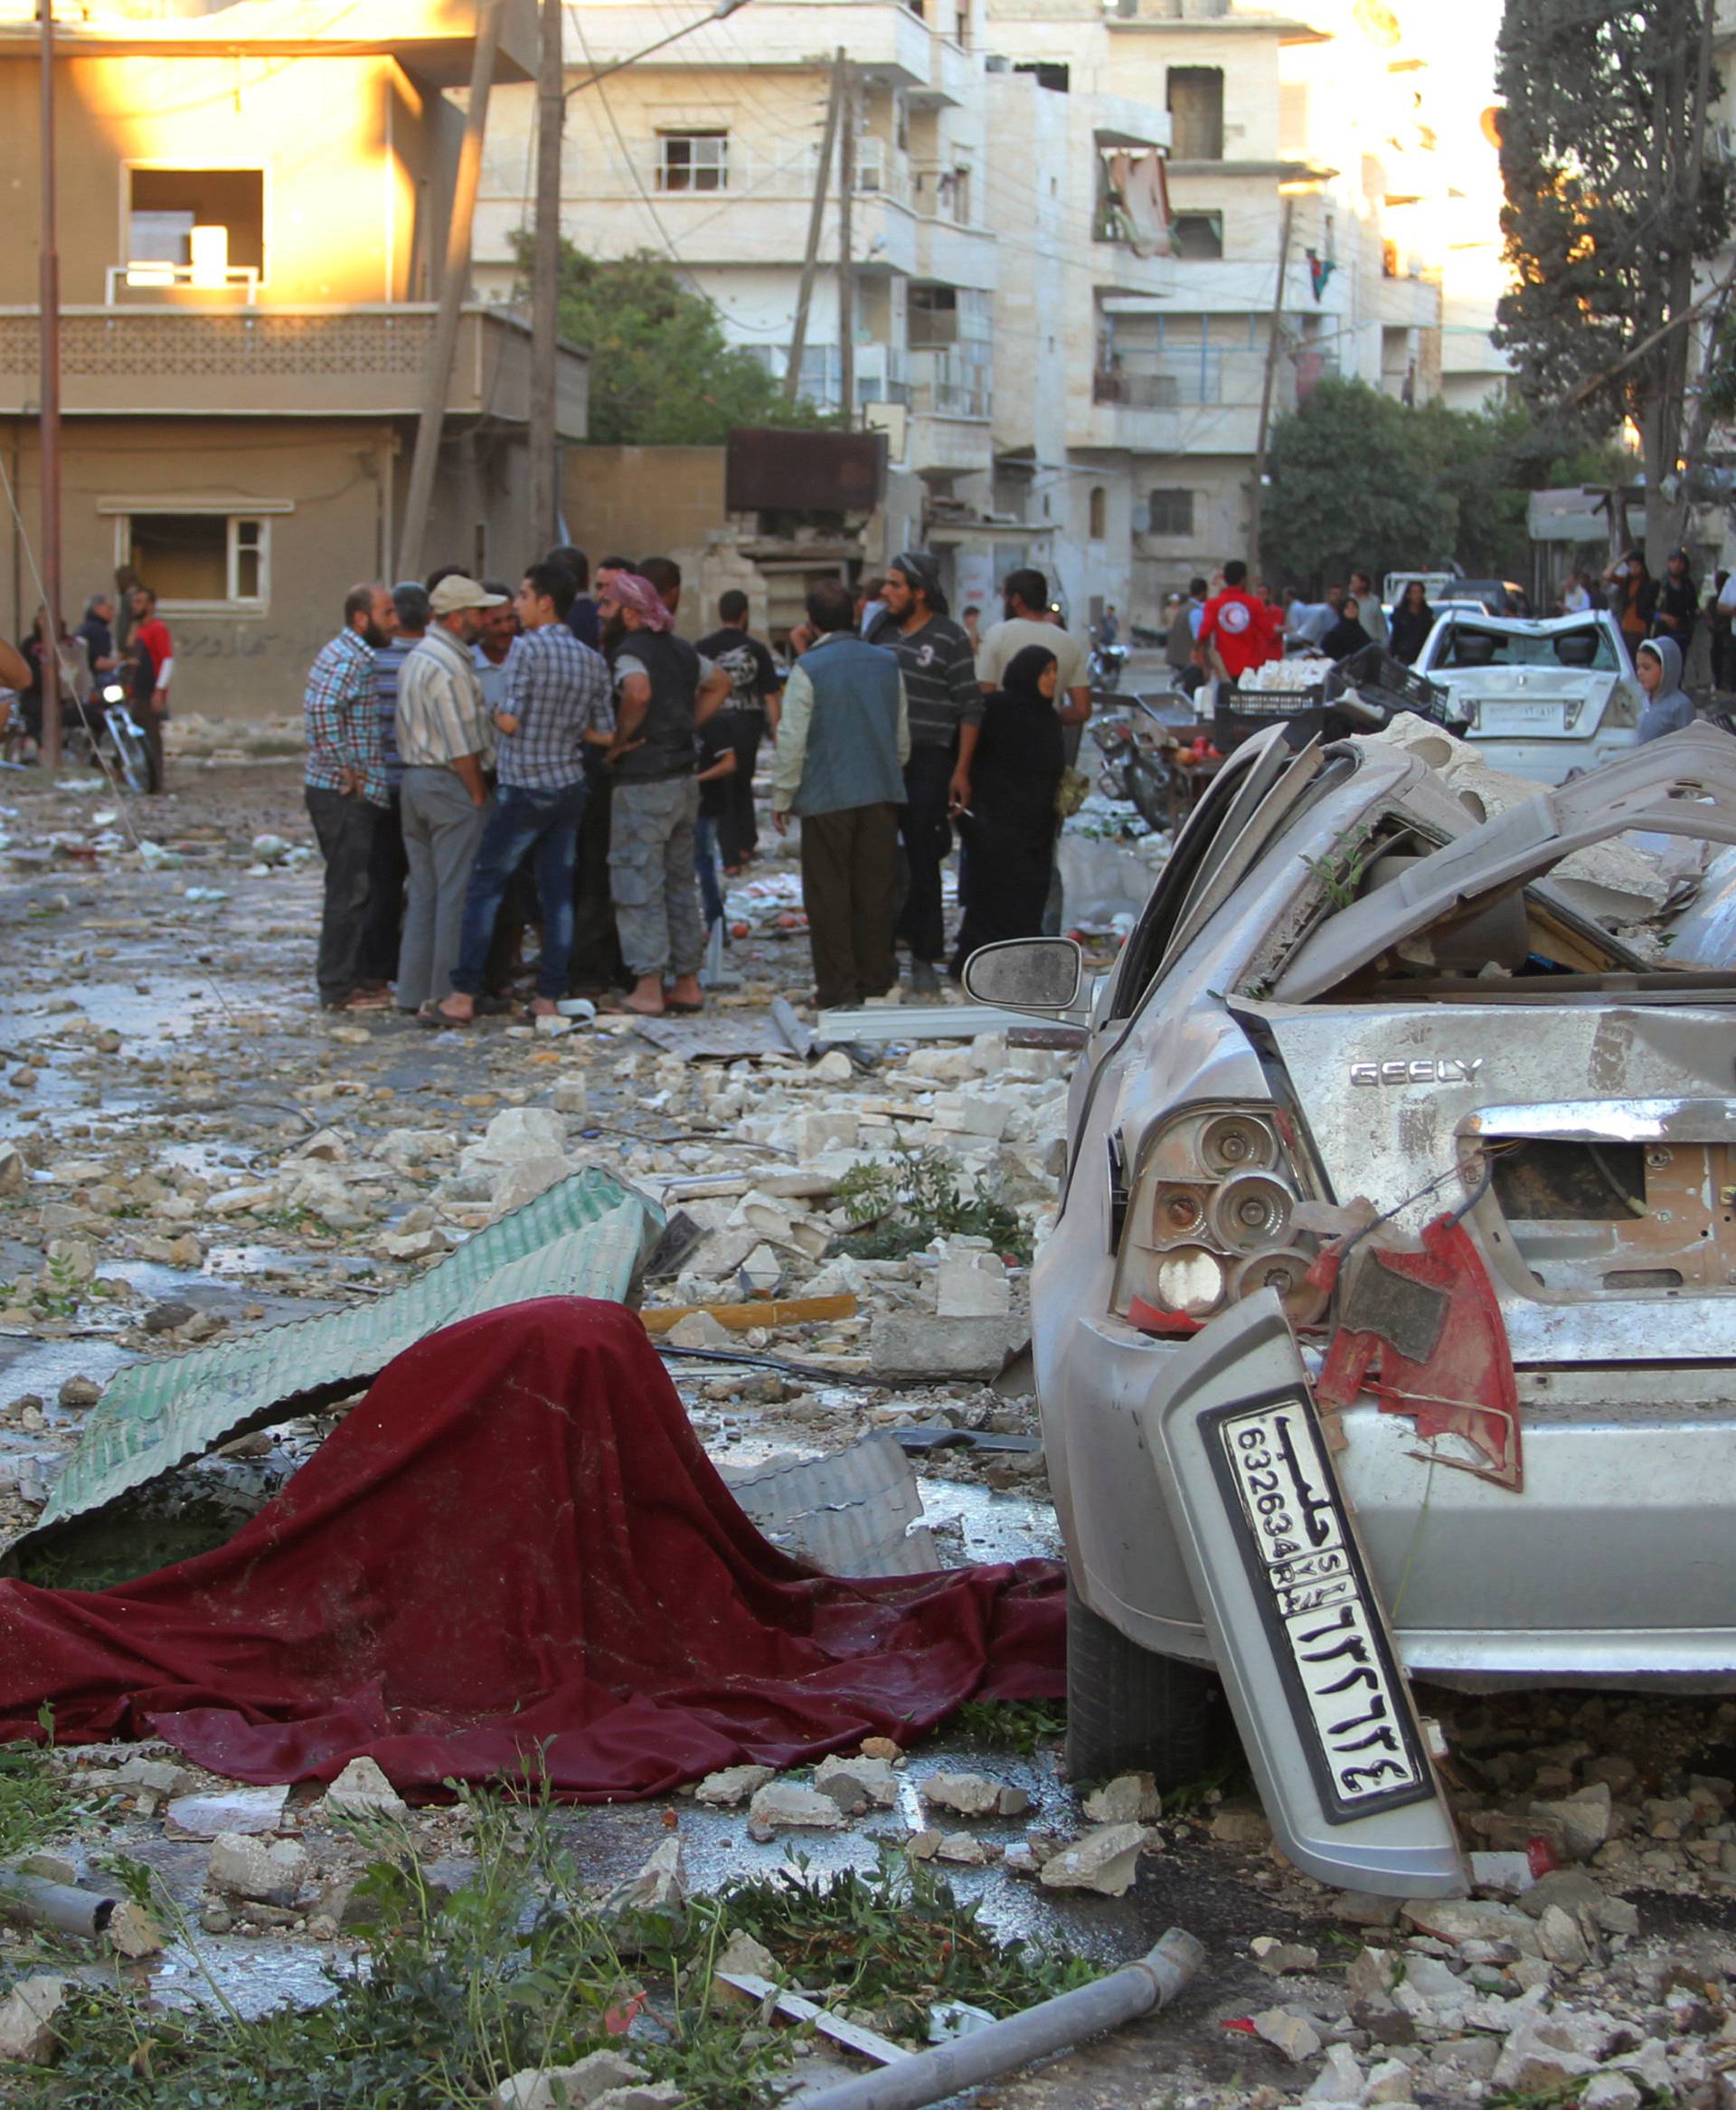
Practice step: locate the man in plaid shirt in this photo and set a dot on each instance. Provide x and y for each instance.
(346, 788)
(557, 704)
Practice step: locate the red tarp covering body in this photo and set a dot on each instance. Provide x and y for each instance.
(516, 1540)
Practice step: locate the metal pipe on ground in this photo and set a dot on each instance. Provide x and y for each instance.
(64, 1910)
(929, 2076)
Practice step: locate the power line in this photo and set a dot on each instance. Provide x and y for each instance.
(645, 197)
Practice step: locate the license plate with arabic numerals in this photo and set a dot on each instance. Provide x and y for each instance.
(1345, 1689)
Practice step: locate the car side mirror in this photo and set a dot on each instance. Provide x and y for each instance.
(1026, 974)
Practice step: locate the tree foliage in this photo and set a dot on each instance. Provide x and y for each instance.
(661, 372)
(1359, 479)
(1351, 485)
(1614, 193)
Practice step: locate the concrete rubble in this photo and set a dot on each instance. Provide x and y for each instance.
(27, 2035)
(1106, 1859)
(568, 2087)
(250, 1867)
(183, 1135)
(733, 1786)
(857, 1784)
(785, 1806)
(973, 1794)
(363, 1790)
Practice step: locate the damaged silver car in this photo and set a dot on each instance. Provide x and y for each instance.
(1389, 1325)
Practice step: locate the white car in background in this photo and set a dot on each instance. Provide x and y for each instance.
(1546, 700)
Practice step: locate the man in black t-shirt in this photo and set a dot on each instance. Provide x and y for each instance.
(717, 767)
(751, 707)
(945, 713)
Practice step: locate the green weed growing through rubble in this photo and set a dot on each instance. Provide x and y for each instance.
(57, 1296)
(36, 1801)
(900, 1206)
(886, 1947)
(517, 1967)
(1008, 1725)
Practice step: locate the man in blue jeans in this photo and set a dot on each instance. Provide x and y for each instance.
(557, 702)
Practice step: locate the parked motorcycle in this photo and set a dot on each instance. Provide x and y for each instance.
(1106, 666)
(127, 751)
(1135, 767)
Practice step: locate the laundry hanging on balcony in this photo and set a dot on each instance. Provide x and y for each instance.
(1142, 191)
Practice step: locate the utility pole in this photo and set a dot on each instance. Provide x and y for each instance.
(1259, 495)
(437, 372)
(846, 256)
(545, 283)
(815, 223)
(49, 294)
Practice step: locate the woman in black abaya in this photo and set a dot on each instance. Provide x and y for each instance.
(1010, 829)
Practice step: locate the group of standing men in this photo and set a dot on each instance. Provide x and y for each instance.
(457, 747)
(459, 739)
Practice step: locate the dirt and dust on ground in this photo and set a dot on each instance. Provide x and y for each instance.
(189, 1149)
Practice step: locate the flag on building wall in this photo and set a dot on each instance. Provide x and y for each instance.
(1320, 269)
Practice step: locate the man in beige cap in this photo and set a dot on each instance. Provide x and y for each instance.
(446, 744)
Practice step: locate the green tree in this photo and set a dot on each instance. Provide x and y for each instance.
(1353, 480)
(1490, 462)
(662, 372)
(1613, 196)
(1357, 478)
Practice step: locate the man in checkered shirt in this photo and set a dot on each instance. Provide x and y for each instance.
(557, 704)
(345, 779)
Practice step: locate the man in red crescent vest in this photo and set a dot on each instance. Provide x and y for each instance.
(1238, 624)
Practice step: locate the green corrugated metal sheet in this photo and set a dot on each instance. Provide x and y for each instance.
(585, 1237)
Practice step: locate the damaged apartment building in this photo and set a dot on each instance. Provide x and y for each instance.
(252, 202)
(1062, 260)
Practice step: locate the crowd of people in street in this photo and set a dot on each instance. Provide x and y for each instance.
(1239, 627)
(482, 758)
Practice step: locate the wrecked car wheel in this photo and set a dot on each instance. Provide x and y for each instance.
(1128, 1711)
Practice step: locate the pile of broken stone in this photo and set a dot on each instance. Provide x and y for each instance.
(347, 1182)
(1545, 1982)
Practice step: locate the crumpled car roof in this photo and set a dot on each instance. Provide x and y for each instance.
(1682, 785)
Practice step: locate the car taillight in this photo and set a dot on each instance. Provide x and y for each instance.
(1210, 1219)
(1570, 713)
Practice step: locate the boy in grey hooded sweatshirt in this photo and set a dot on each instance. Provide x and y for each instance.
(1668, 708)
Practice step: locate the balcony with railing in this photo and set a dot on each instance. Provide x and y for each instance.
(1182, 378)
(944, 385)
(1145, 399)
(365, 361)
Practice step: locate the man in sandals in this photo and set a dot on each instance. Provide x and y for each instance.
(666, 692)
(445, 736)
(557, 701)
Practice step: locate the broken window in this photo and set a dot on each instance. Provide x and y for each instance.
(1197, 235)
(199, 560)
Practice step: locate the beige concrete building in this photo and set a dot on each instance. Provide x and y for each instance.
(1066, 229)
(251, 226)
(1273, 114)
(709, 151)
